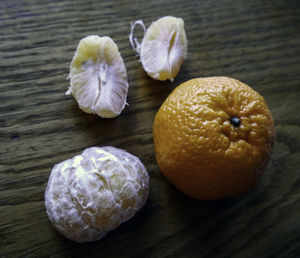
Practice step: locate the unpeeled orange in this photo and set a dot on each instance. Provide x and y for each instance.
(213, 137)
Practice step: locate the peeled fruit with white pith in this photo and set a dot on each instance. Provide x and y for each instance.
(163, 48)
(98, 78)
(94, 192)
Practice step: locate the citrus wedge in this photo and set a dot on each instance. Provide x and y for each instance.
(163, 48)
(98, 77)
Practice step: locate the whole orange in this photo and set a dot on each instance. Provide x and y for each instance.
(213, 137)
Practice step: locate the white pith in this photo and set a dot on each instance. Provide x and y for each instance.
(100, 87)
(161, 58)
(94, 192)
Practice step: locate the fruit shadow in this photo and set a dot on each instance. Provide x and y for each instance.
(124, 239)
(208, 221)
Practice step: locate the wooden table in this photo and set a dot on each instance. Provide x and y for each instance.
(257, 42)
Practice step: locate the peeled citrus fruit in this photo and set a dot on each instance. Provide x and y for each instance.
(94, 192)
(98, 77)
(163, 48)
(213, 137)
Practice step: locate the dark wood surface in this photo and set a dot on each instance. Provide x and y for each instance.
(257, 42)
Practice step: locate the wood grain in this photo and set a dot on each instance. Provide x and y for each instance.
(257, 42)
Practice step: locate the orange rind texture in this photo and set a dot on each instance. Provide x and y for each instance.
(198, 148)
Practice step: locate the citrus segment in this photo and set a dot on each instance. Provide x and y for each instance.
(98, 77)
(163, 48)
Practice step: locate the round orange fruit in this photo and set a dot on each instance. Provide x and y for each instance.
(213, 137)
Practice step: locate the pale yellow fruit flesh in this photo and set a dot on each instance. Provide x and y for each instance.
(98, 77)
(164, 48)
